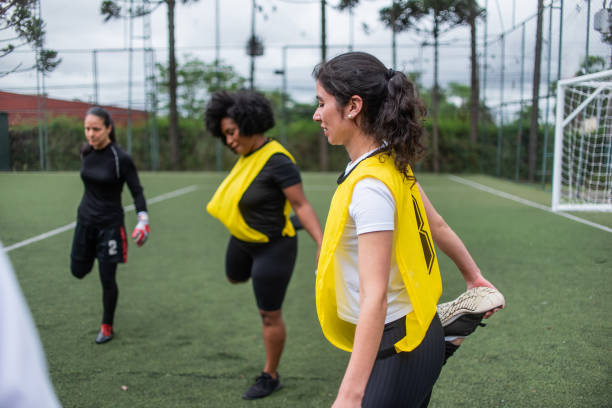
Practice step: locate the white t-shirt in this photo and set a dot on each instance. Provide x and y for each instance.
(24, 382)
(372, 208)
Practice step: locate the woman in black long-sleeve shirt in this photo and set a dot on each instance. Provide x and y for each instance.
(100, 230)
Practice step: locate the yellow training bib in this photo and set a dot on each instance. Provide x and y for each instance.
(224, 203)
(414, 251)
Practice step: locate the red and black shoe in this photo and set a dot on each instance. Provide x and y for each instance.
(106, 334)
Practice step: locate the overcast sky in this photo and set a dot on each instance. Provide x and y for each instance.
(75, 28)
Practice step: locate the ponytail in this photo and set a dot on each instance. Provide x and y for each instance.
(400, 122)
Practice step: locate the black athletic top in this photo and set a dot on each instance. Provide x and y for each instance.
(263, 202)
(103, 173)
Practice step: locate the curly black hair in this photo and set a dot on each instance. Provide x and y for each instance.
(250, 110)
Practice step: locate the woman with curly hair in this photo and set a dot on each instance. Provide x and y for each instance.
(378, 280)
(254, 203)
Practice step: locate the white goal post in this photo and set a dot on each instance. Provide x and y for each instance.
(582, 173)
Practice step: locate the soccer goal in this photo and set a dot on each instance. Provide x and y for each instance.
(582, 175)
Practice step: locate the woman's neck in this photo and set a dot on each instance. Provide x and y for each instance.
(258, 140)
(360, 144)
(103, 145)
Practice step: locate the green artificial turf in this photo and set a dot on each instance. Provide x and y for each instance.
(185, 337)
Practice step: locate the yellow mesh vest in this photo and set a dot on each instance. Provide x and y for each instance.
(224, 203)
(414, 251)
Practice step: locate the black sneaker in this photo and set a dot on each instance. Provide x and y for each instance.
(264, 386)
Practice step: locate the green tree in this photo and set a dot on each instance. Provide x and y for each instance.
(346, 4)
(525, 113)
(399, 18)
(443, 15)
(196, 80)
(469, 12)
(462, 93)
(113, 9)
(19, 17)
(606, 33)
(535, 96)
(591, 65)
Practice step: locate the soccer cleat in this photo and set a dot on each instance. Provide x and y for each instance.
(264, 386)
(463, 315)
(106, 334)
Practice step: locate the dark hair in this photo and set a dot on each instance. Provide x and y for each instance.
(391, 112)
(108, 121)
(250, 110)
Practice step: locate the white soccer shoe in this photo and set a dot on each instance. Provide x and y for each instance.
(460, 317)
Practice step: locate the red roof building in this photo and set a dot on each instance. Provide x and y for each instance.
(23, 109)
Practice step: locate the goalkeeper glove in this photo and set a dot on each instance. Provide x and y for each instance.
(142, 230)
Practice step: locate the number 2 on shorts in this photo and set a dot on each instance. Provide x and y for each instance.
(112, 247)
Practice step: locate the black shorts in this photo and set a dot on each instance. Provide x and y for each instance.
(108, 244)
(269, 265)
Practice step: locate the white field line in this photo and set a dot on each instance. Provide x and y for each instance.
(127, 208)
(527, 202)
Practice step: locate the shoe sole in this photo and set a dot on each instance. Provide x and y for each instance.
(104, 339)
(278, 387)
(464, 325)
(475, 301)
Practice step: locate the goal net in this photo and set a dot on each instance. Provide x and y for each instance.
(582, 175)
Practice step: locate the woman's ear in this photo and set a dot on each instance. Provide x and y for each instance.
(354, 106)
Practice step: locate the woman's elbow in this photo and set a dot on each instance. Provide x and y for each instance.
(439, 228)
(297, 205)
(377, 302)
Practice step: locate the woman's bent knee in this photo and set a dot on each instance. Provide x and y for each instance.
(236, 281)
(80, 268)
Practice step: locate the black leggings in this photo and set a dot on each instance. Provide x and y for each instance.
(406, 379)
(108, 278)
